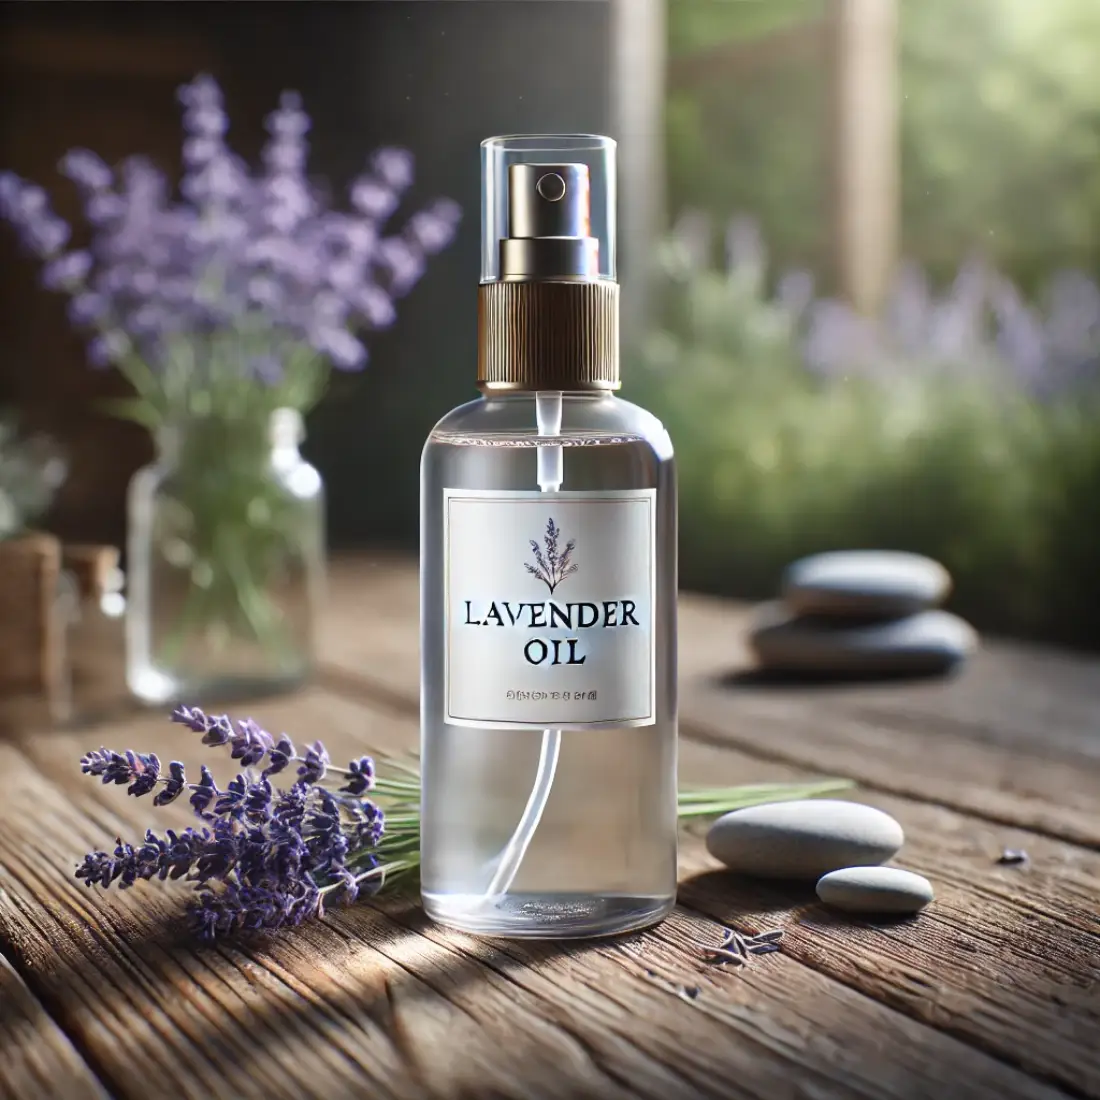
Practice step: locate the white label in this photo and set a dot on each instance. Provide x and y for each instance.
(549, 604)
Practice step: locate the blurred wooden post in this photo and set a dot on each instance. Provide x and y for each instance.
(638, 53)
(863, 146)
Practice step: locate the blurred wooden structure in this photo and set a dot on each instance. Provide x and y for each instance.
(865, 185)
(638, 58)
(989, 995)
(855, 42)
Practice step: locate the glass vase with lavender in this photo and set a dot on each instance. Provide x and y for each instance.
(226, 307)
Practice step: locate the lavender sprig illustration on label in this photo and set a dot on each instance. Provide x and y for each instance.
(552, 568)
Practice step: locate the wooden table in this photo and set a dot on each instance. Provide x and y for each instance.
(994, 992)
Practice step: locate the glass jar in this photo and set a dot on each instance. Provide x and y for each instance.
(225, 561)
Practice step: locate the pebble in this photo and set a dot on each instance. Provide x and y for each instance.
(871, 583)
(925, 643)
(875, 890)
(803, 839)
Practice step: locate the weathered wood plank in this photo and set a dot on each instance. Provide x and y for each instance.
(1014, 738)
(382, 999)
(36, 1058)
(1003, 960)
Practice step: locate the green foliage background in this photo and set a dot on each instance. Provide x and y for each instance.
(1000, 129)
(1000, 148)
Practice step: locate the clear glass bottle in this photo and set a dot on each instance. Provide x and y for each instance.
(225, 561)
(548, 587)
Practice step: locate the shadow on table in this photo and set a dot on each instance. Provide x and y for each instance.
(361, 971)
(740, 897)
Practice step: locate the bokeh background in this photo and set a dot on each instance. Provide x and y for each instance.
(860, 238)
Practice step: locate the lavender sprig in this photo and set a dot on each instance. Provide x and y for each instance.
(552, 568)
(265, 857)
(251, 744)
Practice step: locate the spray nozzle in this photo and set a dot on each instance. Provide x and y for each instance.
(548, 223)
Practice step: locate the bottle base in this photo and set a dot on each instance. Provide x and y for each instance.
(547, 916)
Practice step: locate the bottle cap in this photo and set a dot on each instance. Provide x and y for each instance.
(548, 302)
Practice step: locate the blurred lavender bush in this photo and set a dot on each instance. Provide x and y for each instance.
(964, 424)
(235, 298)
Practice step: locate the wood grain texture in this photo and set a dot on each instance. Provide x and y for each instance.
(36, 1058)
(994, 983)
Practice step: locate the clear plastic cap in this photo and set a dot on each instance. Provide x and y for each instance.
(548, 207)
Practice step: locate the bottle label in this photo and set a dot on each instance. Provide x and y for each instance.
(549, 602)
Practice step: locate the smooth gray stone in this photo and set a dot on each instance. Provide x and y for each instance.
(875, 890)
(871, 583)
(803, 839)
(927, 642)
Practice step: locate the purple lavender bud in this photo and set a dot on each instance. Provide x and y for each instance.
(205, 121)
(174, 785)
(394, 167)
(67, 272)
(343, 349)
(231, 801)
(46, 236)
(219, 730)
(198, 151)
(359, 777)
(87, 308)
(145, 770)
(284, 157)
(372, 199)
(375, 305)
(403, 264)
(97, 869)
(86, 170)
(359, 237)
(370, 825)
(95, 762)
(257, 803)
(104, 207)
(203, 91)
(433, 229)
(313, 766)
(290, 120)
(250, 743)
(203, 793)
(253, 908)
(280, 755)
(191, 717)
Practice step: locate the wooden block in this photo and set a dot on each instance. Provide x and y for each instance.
(31, 633)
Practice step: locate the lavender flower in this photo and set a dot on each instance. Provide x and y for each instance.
(264, 858)
(979, 325)
(552, 568)
(259, 255)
